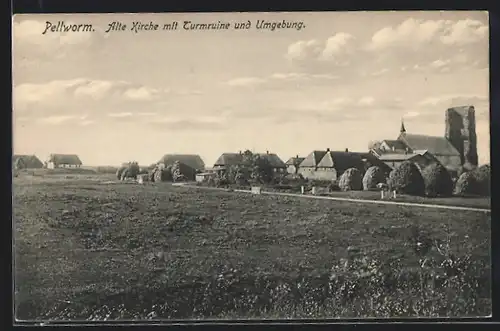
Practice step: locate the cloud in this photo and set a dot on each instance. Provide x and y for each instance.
(124, 114)
(414, 33)
(79, 93)
(281, 80)
(56, 120)
(203, 123)
(245, 81)
(432, 46)
(335, 49)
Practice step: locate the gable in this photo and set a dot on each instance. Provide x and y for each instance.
(313, 159)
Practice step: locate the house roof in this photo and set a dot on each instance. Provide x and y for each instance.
(28, 161)
(192, 160)
(229, 159)
(313, 159)
(342, 161)
(398, 156)
(396, 144)
(295, 161)
(71, 159)
(434, 145)
(273, 159)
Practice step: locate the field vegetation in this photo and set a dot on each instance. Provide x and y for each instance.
(88, 246)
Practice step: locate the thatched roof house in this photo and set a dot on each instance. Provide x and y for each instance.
(228, 159)
(274, 160)
(26, 162)
(63, 160)
(329, 165)
(192, 160)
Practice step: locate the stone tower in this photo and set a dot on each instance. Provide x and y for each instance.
(461, 132)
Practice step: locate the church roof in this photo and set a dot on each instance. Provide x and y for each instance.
(434, 145)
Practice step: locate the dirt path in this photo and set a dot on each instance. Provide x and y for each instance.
(380, 202)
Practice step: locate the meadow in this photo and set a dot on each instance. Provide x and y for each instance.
(91, 248)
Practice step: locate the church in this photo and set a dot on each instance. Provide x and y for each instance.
(457, 148)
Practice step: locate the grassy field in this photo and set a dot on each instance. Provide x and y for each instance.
(86, 248)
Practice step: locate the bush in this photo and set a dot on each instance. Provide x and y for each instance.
(162, 175)
(407, 179)
(119, 172)
(482, 176)
(351, 180)
(437, 181)
(466, 184)
(373, 176)
(334, 186)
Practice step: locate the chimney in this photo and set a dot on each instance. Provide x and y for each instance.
(267, 152)
(328, 149)
(297, 156)
(240, 152)
(347, 150)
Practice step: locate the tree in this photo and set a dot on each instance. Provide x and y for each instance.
(373, 176)
(262, 171)
(407, 179)
(466, 184)
(374, 144)
(482, 175)
(437, 180)
(351, 180)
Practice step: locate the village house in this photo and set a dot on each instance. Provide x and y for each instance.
(293, 164)
(26, 162)
(190, 164)
(330, 165)
(421, 159)
(63, 161)
(227, 160)
(192, 160)
(457, 148)
(276, 163)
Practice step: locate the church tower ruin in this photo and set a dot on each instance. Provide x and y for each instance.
(461, 132)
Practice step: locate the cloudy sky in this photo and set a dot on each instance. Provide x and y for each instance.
(343, 80)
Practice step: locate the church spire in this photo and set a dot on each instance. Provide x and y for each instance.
(402, 130)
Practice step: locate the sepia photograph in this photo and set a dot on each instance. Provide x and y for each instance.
(251, 166)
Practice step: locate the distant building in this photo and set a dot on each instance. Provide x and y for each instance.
(204, 176)
(63, 161)
(192, 160)
(421, 158)
(293, 164)
(227, 160)
(274, 160)
(458, 146)
(26, 162)
(330, 165)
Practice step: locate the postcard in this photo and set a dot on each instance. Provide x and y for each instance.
(251, 166)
